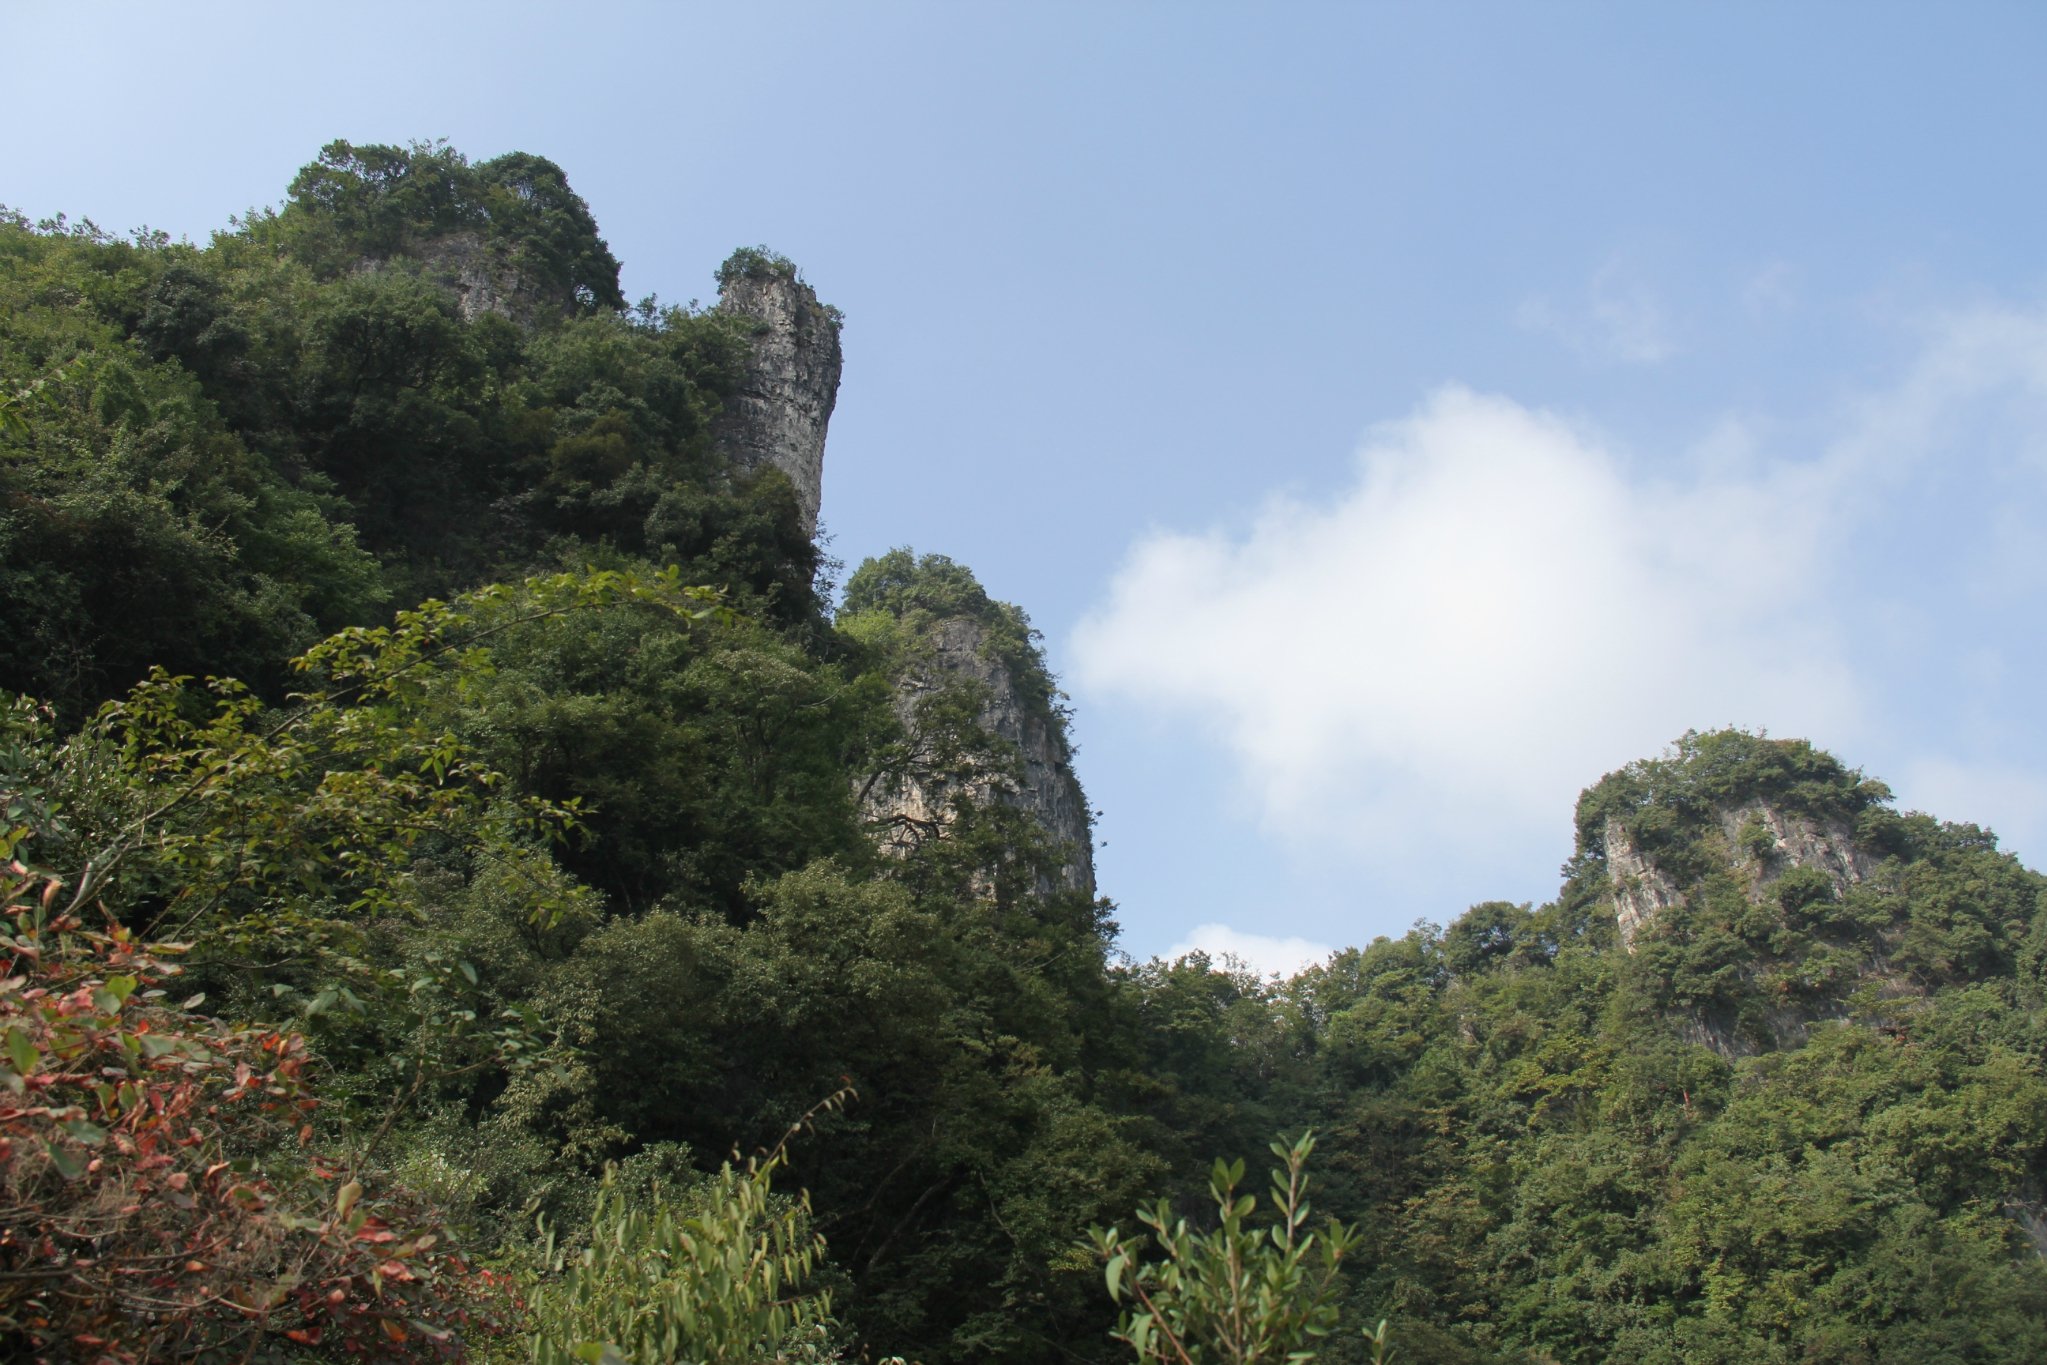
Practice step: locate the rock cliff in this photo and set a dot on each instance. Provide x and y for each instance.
(1732, 811)
(970, 690)
(1640, 889)
(1029, 765)
(480, 277)
(783, 406)
(1755, 884)
(1762, 843)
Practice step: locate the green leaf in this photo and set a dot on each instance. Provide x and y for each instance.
(22, 1052)
(69, 1164)
(91, 1134)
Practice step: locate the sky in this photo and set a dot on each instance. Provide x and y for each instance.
(1394, 416)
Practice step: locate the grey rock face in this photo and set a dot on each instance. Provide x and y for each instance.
(1640, 890)
(481, 280)
(784, 403)
(1792, 841)
(915, 805)
(1763, 844)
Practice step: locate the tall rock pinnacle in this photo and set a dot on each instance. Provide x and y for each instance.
(783, 405)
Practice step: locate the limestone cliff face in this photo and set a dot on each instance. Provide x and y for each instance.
(1763, 843)
(481, 279)
(783, 406)
(1032, 768)
(1768, 843)
(1640, 890)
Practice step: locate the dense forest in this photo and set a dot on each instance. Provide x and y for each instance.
(477, 886)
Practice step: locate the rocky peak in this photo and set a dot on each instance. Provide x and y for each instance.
(1726, 802)
(783, 404)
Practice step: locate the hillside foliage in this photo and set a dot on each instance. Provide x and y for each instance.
(436, 883)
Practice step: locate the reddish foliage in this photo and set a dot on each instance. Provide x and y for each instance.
(157, 1200)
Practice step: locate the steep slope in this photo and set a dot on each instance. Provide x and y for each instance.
(978, 711)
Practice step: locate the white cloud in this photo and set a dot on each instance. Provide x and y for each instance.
(1496, 611)
(1263, 954)
(1620, 319)
(1416, 674)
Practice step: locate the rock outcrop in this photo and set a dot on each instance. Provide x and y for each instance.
(1640, 889)
(1763, 843)
(480, 277)
(1768, 842)
(781, 408)
(1033, 768)
(783, 405)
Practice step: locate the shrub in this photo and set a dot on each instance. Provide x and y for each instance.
(1235, 1294)
(719, 1283)
(157, 1199)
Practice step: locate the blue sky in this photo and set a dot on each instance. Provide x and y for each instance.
(1394, 416)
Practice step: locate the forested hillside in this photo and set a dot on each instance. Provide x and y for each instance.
(452, 809)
